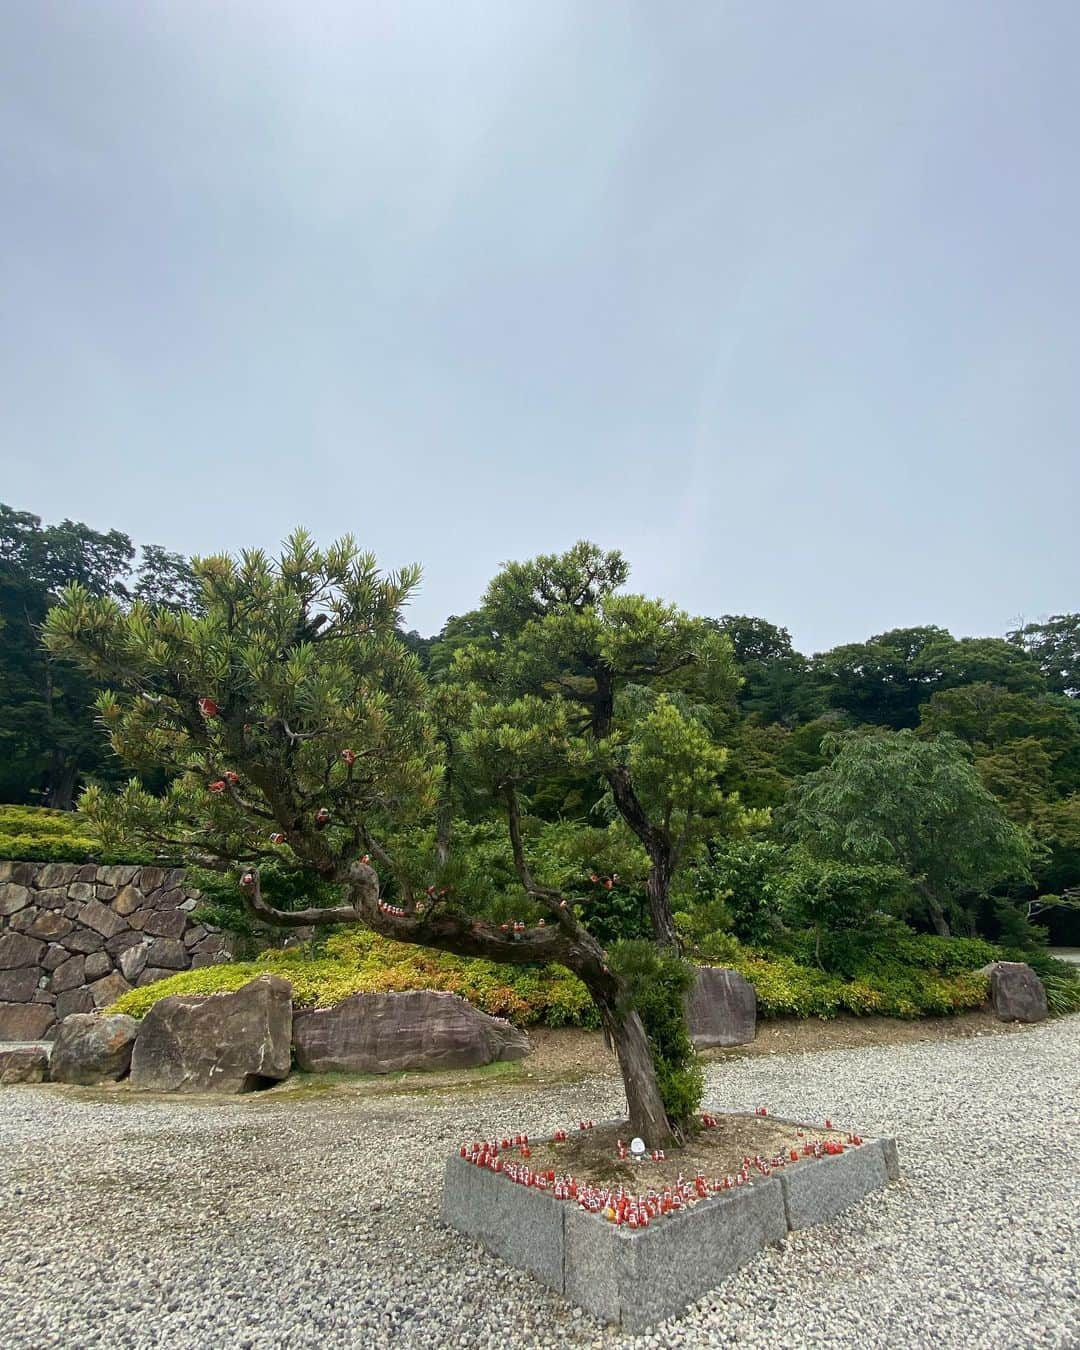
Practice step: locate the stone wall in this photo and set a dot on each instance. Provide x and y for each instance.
(73, 939)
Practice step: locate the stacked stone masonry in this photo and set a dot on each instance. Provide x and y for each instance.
(74, 938)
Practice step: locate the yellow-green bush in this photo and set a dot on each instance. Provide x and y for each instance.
(786, 988)
(356, 961)
(34, 834)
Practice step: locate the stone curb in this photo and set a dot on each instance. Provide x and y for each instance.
(639, 1278)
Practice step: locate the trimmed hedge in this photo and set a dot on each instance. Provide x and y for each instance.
(34, 834)
(37, 834)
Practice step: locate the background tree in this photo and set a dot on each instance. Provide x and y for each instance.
(776, 681)
(295, 726)
(1055, 646)
(165, 580)
(917, 805)
(46, 725)
(47, 728)
(879, 681)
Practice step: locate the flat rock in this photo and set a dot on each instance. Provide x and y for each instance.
(1016, 992)
(122, 941)
(132, 963)
(96, 965)
(25, 1021)
(108, 990)
(53, 899)
(17, 950)
(128, 901)
(70, 975)
(49, 924)
(74, 1001)
(101, 919)
(168, 953)
(168, 923)
(152, 974)
(24, 1064)
(92, 1049)
(56, 874)
(13, 898)
(54, 957)
(216, 1042)
(19, 986)
(83, 940)
(721, 1008)
(382, 1033)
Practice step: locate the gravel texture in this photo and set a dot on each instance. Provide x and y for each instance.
(311, 1219)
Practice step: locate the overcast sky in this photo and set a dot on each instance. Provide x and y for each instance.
(783, 300)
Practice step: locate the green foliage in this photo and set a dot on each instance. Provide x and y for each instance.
(48, 740)
(35, 834)
(286, 887)
(301, 662)
(885, 680)
(776, 679)
(658, 982)
(1062, 994)
(1055, 646)
(356, 961)
(883, 986)
(894, 800)
(843, 905)
(739, 885)
(905, 975)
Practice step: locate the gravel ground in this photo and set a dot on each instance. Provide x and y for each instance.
(312, 1220)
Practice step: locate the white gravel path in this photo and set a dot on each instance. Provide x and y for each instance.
(251, 1223)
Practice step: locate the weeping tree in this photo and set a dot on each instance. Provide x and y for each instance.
(297, 729)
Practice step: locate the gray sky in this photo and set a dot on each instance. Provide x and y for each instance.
(781, 299)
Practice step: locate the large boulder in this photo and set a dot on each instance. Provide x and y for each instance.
(90, 1049)
(24, 1064)
(382, 1033)
(721, 1009)
(216, 1042)
(1016, 992)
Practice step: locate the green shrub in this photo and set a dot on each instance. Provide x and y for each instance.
(1062, 993)
(354, 961)
(36, 834)
(787, 987)
(917, 975)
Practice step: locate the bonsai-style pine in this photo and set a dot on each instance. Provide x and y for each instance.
(296, 729)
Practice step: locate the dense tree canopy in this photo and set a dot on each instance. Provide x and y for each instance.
(892, 799)
(662, 734)
(47, 733)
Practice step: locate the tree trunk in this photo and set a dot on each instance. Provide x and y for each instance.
(565, 940)
(657, 889)
(63, 775)
(644, 1105)
(937, 918)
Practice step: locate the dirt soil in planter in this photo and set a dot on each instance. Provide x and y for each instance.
(592, 1155)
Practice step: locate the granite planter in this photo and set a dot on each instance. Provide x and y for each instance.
(637, 1278)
